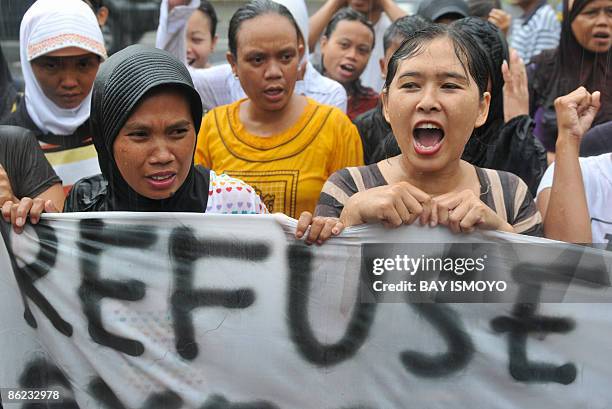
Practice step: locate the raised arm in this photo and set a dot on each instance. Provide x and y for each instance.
(171, 31)
(392, 10)
(564, 205)
(319, 20)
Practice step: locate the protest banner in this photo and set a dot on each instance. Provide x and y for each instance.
(146, 310)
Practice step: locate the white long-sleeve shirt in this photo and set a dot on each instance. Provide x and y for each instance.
(217, 85)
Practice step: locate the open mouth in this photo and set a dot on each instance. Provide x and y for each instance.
(162, 180)
(427, 138)
(190, 61)
(274, 93)
(603, 36)
(347, 69)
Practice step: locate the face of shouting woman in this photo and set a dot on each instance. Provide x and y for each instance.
(347, 50)
(433, 105)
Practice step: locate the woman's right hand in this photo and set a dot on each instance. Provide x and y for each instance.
(391, 205)
(575, 114)
(16, 213)
(173, 3)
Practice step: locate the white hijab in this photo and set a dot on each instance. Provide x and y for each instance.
(298, 10)
(51, 25)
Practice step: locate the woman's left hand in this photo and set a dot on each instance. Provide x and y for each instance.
(465, 212)
(321, 228)
(6, 192)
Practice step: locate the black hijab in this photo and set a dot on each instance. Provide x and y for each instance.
(564, 69)
(123, 81)
(493, 43)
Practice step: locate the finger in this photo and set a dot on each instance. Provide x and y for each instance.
(22, 211)
(442, 213)
(457, 214)
(506, 73)
(401, 209)
(418, 194)
(303, 223)
(426, 213)
(446, 203)
(16, 228)
(591, 111)
(514, 56)
(315, 229)
(338, 227)
(38, 207)
(596, 99)
(326, 232)
(433, 219)
(50, 207)
(412, 205)
(391, 218)
(6, 210)
(584, 102)
(471, 220)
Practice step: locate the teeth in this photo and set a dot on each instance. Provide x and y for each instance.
(428, 126)
(160, 177)
(427, 148)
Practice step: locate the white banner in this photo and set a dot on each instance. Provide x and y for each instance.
(118, 310)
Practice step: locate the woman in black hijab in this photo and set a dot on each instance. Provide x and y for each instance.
(145, 115)
(583, 58)
(123, 83)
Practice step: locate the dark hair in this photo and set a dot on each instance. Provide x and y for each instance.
(252, 9)
(348, 14)
(94, 4)
(472, 57)
(401, 28)
(493, 43)
(209, 11)
(436, 9)
(482, 8)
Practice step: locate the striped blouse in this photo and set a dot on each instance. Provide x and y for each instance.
(503, 192)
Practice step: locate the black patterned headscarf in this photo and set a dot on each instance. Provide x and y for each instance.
(562, 70)
(124, 81)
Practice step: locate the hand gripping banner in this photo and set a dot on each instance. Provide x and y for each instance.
(146, 310)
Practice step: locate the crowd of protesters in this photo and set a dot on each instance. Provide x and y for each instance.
(459, 115)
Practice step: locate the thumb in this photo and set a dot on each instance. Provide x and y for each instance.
(50, 207)
(591, 111)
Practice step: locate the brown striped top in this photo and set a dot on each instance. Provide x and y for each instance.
(503, 192)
